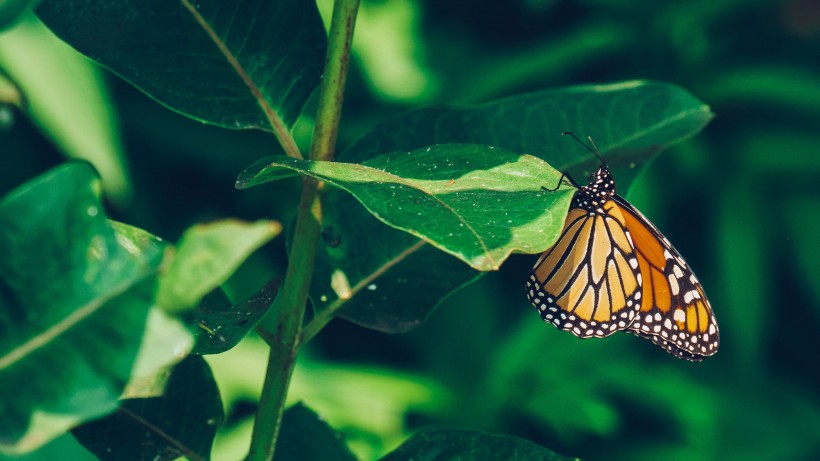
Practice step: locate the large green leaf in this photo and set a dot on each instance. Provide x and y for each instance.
(305, 436)
(76, 308)
(239, 64)
(475, 202)
(179, 420)
(391, 280)
(451, 445)
(628, 121)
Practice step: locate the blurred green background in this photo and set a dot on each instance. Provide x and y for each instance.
(740, 202)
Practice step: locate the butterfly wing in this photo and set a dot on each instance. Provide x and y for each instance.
(674, 312)
(589, 281)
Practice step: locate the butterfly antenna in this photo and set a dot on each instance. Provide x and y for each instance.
(593, 148)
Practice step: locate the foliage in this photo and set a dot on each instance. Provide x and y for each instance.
(451, 126)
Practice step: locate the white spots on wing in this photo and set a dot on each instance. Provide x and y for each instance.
(673, 284)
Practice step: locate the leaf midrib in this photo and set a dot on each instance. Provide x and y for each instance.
(401, 181)
(276, 122)
(189, 453)
(45, 337)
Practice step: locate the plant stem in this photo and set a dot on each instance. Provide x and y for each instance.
(340, 40)
(285, 321)
(286, 315)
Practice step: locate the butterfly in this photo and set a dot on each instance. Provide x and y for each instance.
(612, 270)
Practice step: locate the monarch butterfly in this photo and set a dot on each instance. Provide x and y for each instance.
(612, 270)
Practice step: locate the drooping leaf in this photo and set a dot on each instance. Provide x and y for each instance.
(477, 203)
(391, 281)
(221, 325)
(75, 113)
(179, 420)
(235, 64)
(76, 309)
(449, 445)
(305, 436)
(206, 256)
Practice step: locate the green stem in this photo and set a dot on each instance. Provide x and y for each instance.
(331, 96)
(284, 321)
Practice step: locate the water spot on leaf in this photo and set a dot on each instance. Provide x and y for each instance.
(340, 284)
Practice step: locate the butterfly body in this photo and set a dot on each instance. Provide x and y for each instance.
(612, 270)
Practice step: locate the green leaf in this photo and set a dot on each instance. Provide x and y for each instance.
(218, 325)
(305, 436)
(76, 316)
(75, 113)
(477, 203)
(180, 420)
(221, 325)
(243, 64)
(629, 122)
(446, 445)
(206, 256)
(393, 282)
